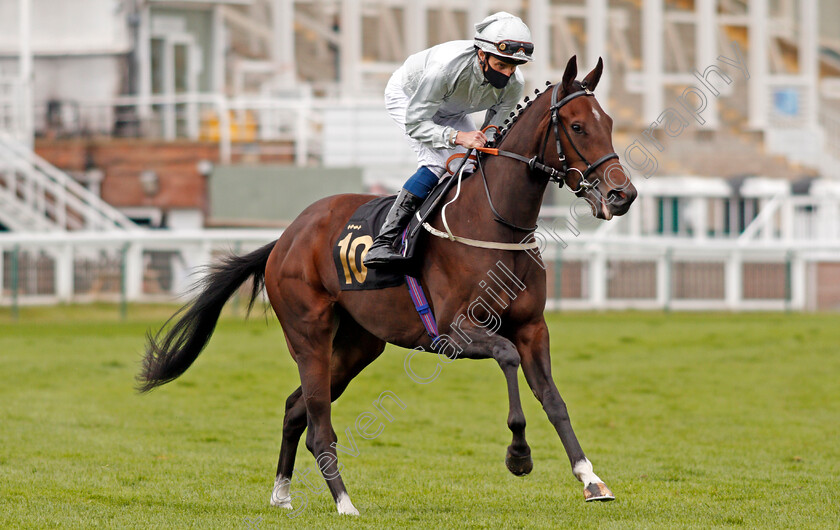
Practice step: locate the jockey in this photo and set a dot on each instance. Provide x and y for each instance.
(430, 97)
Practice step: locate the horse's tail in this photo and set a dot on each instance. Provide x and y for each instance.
(169, 355)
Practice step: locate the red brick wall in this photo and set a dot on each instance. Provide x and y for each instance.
(122, 161)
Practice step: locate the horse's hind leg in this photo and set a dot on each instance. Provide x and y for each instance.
(353, 349)
(294, 422)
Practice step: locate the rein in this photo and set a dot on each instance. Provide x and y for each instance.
(535, 163)
(533, 245)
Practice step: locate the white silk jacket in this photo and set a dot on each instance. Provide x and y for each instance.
(446, 82)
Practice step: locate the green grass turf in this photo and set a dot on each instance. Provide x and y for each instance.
(693, 420)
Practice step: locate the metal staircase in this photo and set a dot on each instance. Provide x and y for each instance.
(37, 197)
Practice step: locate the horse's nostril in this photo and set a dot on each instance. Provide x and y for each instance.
(616, 197)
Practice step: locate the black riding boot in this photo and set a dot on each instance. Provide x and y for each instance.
(383, 252)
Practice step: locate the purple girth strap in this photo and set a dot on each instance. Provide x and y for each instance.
(419, 298)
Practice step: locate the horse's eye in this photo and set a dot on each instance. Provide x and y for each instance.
(577, 128)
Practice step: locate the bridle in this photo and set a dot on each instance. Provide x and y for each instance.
(537, 162)
(557, 122)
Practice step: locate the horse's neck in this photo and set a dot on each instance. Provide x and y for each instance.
(517, 193)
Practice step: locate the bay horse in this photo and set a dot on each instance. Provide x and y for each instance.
(333, 334)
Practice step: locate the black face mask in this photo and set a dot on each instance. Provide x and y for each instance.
(494, 77)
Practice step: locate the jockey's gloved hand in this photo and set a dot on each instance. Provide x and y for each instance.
(471, 139)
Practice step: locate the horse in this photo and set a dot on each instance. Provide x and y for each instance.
(333, 335)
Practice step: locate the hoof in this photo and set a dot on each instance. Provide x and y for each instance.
(519, 465)
(597, 491)
(282, 503)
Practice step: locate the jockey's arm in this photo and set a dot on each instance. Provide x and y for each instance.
(421, 109)
(429, 97)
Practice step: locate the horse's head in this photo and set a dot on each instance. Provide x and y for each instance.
(583, 133)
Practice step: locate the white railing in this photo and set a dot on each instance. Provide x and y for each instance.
(668, 273)
(37, 196)
(830, 163)
(707, 208)
(362, 134)
(231, 122)
(13, 108)
(358, 131)
(147, 265)
(590, 272)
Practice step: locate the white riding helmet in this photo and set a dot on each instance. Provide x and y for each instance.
(506, 36)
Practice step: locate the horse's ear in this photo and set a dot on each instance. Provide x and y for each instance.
(592, 78)
(570, 74)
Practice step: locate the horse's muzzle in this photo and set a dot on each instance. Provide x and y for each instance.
(619, 201)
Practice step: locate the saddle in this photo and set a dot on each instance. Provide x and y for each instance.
(361, 229)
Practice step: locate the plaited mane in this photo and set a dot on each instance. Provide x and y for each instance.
(508, 124)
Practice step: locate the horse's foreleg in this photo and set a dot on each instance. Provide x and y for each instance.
(533, 345)
(518, 457)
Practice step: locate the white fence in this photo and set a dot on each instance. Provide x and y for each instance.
(830, 161)
(136, 266)
(198, 116)
(358, 131)
(13, 101)
(590, 272)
